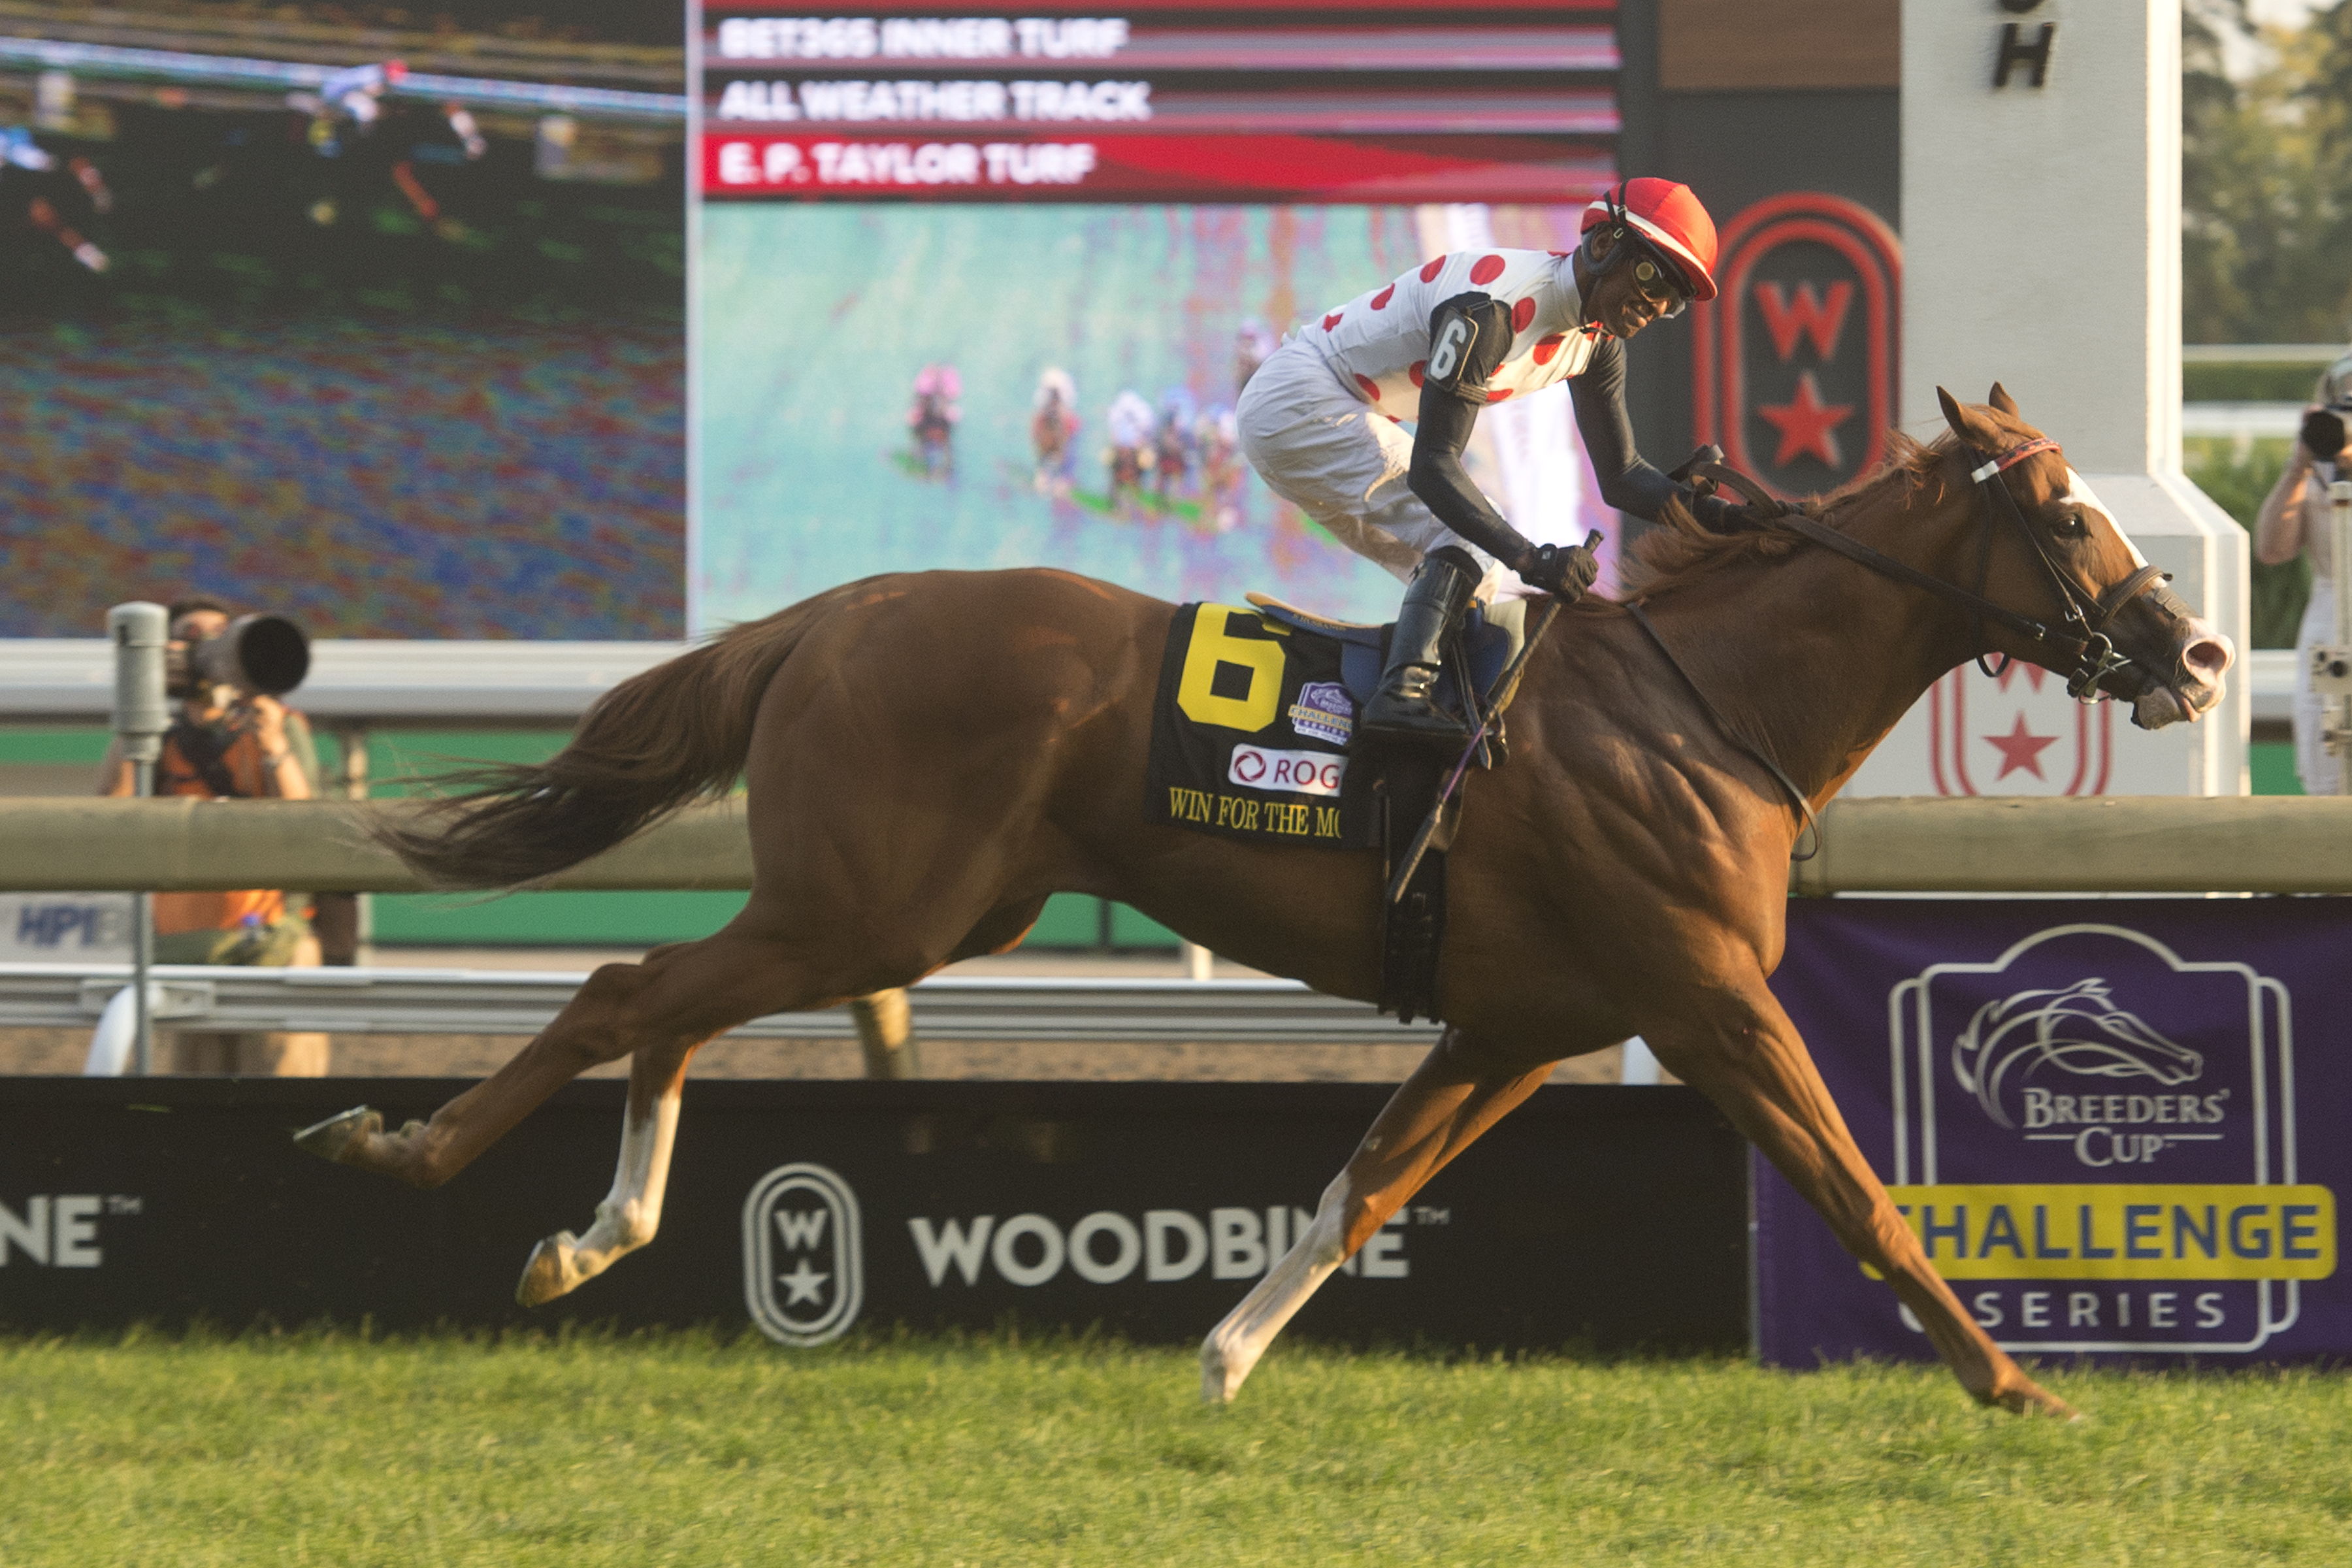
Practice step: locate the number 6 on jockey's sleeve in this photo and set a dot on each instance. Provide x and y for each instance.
(1469, 335)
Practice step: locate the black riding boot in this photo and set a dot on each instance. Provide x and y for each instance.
(1401, 710)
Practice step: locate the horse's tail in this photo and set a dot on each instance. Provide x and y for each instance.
(655, 742)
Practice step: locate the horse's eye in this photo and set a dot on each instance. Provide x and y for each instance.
(2071, 526)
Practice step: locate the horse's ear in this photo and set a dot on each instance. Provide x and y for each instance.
(1969, 424)
(2001, 400)
(1953, 415)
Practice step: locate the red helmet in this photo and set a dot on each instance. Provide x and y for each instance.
(1670, 217)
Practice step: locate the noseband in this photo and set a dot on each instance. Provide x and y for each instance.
(2083, 617)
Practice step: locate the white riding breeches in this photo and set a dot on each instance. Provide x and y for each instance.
(1317, 446)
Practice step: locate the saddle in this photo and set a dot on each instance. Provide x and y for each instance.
(1489, 639)
(1251, 738)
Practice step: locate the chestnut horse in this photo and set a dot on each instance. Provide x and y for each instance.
(928, 756)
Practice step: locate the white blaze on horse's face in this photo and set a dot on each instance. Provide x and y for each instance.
(2205, 654)
(2079, 493)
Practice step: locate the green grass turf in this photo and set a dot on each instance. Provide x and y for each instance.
(686, 1449)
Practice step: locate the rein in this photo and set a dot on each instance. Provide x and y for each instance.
(2083, 617)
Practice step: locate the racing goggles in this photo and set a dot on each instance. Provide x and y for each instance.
(1657, 283)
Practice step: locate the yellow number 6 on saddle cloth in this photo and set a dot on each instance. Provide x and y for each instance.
(1233, 682)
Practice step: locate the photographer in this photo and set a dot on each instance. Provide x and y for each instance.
(227, 741)
(2293, 521)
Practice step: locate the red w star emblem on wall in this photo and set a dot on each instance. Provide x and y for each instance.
(1808, 425)
(1793, 367)
(2017, 733)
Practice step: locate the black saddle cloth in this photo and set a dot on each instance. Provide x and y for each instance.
(1250, 737)
(1257, 709)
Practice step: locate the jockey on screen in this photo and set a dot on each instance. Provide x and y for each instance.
(1319, 421)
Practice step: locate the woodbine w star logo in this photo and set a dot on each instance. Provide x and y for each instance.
(805, 1266)
(2097, 1136)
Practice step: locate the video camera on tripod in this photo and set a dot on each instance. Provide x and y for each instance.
(266, 655)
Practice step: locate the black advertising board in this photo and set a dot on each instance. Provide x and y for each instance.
(1599, 1215)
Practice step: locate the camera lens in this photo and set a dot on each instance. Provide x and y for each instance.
(2323, 432)
(268, 654)
(274, 652)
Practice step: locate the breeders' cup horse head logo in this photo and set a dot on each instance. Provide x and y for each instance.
(2078, 1030)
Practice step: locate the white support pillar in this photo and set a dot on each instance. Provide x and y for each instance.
(2041, 249)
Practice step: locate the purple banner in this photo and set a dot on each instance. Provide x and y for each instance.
(2117, 1125)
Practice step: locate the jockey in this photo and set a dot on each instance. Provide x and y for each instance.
(1319, 421)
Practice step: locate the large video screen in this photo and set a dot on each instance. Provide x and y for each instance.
(980, 291)
(368, 314)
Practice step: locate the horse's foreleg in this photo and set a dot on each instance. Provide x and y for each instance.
(631, 1212)
(1752, 1063)
(1453, 1097)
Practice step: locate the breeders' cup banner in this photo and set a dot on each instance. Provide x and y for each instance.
(2114, 1125)
(808, 1210)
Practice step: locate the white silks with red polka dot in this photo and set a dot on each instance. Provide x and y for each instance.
(1320, 420)
(1378, 342)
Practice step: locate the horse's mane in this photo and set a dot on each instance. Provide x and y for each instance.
(1678, 550)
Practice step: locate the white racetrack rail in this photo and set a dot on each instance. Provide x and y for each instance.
(512, 1002)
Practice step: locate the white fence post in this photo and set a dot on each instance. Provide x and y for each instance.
(142, 713)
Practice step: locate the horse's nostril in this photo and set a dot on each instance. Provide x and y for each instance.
(2207, 656)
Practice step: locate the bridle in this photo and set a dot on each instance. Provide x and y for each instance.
(2081, 630)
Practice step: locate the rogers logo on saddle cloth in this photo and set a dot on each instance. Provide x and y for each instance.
(1306, 772)
(1249, 731)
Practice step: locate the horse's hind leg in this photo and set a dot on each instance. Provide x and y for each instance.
(885, 1032)
(1456, 1093)
(674, 1001)
(631, 1212)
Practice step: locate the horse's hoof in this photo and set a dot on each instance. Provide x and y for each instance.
(1220, 1379)
(335, 1137)
(549, 1273)
(2033, 1399)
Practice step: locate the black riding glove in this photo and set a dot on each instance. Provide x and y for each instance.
(1563, 570)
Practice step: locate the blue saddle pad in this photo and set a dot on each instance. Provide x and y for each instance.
(1491, 634)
